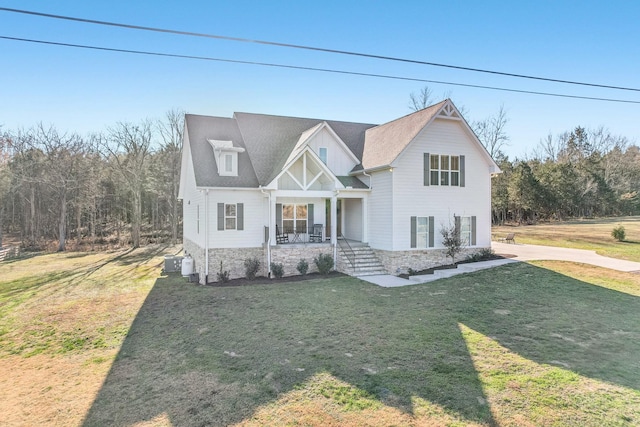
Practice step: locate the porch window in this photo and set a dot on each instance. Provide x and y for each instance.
(294, 218)
(230, 216)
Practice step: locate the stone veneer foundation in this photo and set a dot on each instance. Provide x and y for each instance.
(397, 262)
(290, 255)
(233, 258)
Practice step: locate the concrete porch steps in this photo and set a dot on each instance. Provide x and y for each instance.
(365, 261)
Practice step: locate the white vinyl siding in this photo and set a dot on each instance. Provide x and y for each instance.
(411, 196)
(254, 206)
(380, 210)
(193, 200)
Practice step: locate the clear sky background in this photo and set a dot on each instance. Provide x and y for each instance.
(86, 90)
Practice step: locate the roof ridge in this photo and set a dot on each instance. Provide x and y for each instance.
(304, 118)
(415, 112)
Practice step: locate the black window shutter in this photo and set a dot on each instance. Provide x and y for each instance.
(461, 171)
(457, 224)
(310, 217)
(413, 231)
(431, 236)
(473, 230)
(279, 215)
(427, 169)
(220, 216)
(240, 216)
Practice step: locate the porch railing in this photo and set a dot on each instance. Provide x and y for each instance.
(347, 250)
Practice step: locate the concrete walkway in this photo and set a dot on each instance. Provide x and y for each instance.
(519, 252)
(549, 253)
(390, 281)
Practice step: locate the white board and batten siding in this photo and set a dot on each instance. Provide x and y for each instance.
(380, 210)
(338, 159)
(413, 198)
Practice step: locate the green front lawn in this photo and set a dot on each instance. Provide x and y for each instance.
(514, 345)
(103, 340)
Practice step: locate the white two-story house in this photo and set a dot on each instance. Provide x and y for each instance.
(281, 189)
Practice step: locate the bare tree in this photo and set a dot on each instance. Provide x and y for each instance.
(128, 147)
(171, 131)
(421, 100)
(492, 133)
(62, 156)
(5, 177)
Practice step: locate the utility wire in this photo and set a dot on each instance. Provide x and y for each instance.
(312, 48)
(324, 70)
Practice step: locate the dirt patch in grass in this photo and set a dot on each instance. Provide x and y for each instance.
(45, 390)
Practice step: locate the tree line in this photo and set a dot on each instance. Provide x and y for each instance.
(117, 187)
(120, 187)
(579, 173)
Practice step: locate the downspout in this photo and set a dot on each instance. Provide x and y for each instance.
(268, 238)
(335, 246)
(370, 181)
(206, 236)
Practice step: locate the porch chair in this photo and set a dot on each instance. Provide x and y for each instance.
(280, 237)
(316, 233)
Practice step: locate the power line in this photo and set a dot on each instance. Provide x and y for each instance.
(312, 48)
(324, 70)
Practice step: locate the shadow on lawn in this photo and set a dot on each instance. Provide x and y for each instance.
(212, 356)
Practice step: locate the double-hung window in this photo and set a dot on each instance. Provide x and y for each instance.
(230, 216)
(422, 235)
(422, 232)
(466, 226)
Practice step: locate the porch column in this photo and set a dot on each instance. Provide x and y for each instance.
(272, 219)
(334, 219)
(365, 218)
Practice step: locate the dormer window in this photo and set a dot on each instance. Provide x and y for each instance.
(226, 156)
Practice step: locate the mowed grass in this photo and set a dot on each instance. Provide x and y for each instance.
(592, 234)
(545, 344)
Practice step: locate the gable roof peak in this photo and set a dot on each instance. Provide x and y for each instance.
(379, 152)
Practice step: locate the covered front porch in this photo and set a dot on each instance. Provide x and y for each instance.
(316, 220)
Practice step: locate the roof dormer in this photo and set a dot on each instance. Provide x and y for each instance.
(226, 156)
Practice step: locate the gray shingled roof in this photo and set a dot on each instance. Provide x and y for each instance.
(268, 141)
(201, 128)
(351, 181)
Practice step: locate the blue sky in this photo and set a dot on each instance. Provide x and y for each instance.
(85, 90)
